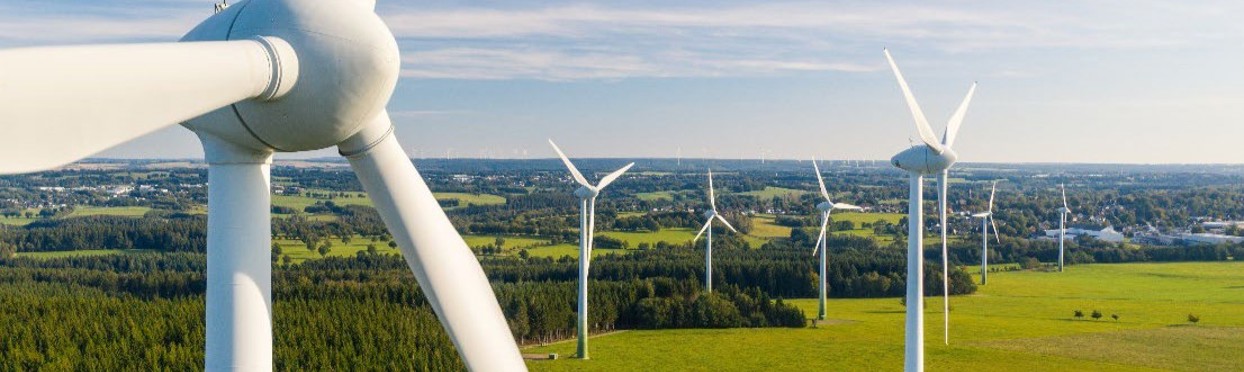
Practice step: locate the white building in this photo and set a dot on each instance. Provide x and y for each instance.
(1107, 234)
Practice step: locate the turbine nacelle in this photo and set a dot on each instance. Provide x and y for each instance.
(924, 160)
(585, 192)
(825, 207)
(981, 215)
(709, 214)
(1064, 210)
(326, 84)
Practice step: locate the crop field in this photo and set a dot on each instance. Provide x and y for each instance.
(1020, 321)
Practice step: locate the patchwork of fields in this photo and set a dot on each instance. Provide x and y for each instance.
(1020, 321)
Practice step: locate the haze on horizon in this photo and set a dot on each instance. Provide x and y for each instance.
(1102, 82)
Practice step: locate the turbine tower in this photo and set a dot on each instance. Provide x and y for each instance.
(258, 77)
(587, 226)
(710, 215)
(986, 220)
(822, 244)
(1062, 225)
(932, 158)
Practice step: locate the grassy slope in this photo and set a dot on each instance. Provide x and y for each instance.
(1020, 321)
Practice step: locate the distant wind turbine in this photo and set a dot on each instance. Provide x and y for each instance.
(822, 244)
(587, 224)
(986, 220)
(710, 215)
(933, 158)
(1062, 225)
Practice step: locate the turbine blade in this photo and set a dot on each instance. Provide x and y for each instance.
(991, 192)
(995, 230)
(821, 181)
(922, 123)
(574, 172)
(448, 273)
(1064, 190)
(613, 176)
(952, 127)
(723, 220)
(61, 104)
(820, 238)
(702, 229)
(712, 199)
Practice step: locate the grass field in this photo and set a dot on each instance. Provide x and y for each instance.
(769, 192)
(297, 251)
(110, 211)
(572, 250)
(654, 196)
(1020, 321)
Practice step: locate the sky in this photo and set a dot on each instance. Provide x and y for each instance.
(1101, 81)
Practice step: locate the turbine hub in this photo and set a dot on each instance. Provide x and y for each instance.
(585, 192)
(710, 214)
(346, 64)
(824, 207)
(923, 160)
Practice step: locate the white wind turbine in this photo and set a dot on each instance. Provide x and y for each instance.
(258, 77)
(1062, 225)
(710, 215)
(932, 158)
(986, 220)
(587, 226)
(822, 244)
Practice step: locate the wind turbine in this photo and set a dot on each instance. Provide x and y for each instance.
(1062, 225)
(822, 244)
(258, 77)
(933, 158)
(587, 226)
(986, 220)
(710, 215)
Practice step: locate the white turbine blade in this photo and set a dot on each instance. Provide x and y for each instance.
(820, 181)
(448, 273)
(1064, 190)
(846, 206)
(574, 172)
(952, 127)
(61, 104)
(991, 191)
(820, 238)
(702, 229)
(613, 176)
(995, 230)
(712, 199)
(922, 124)
(723, 220)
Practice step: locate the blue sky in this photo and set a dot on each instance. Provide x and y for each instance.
(1092, 81)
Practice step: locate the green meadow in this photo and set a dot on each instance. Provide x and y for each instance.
(1021, 321)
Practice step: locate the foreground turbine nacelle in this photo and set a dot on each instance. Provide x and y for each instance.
(923, 160)
(584, 192)
(326, 84)
(824, 206)
(710, 214)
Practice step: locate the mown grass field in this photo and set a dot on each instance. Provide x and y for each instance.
(110, 211)
(1021, 321)
(82, 253)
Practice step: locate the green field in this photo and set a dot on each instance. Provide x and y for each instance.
(1020, 321)
(109, 211)
(654, 196)
(297, 251)
(770, 191)
(676, 235)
